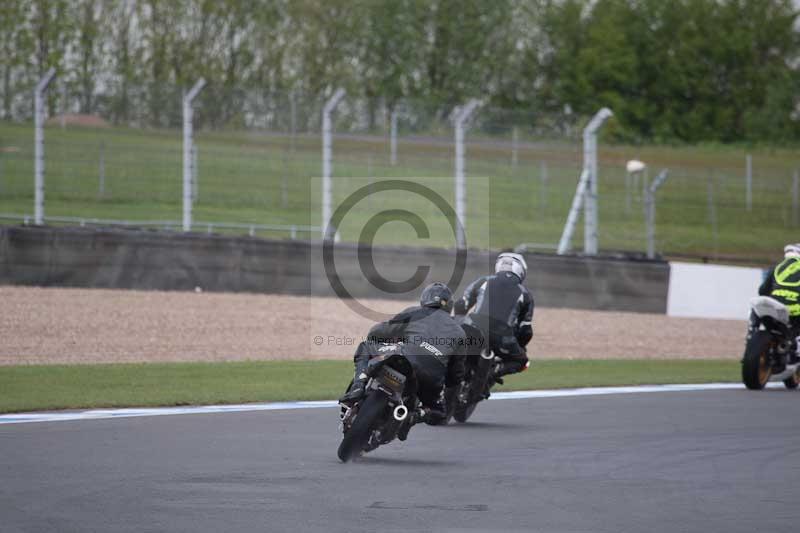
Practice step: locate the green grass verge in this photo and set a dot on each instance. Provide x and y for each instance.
(29, 388)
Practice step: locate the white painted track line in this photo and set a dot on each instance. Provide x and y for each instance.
(100, 414)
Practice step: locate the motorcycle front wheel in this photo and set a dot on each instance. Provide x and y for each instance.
(451, 399)
(463, 412)
(756, 369)
(357, 436)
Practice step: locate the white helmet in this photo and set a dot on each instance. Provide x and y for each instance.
(511, 262)
(792, 250)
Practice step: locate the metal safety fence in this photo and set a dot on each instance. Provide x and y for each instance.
(235, 160)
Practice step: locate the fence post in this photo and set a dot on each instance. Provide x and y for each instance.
(586, 192)
(633, 168)
(514, 147)
(195, 174)
(293, 119)
(63, 118)
(710, 196)
(649, 222)
(543, 178)
(188, 143)
(650, 212)
(327, 159)
(590, 163)
(284, 184)
(795, 195)
(712, 211)
(39, 110)
(748, 201)
(461, 116)
(628, 184)
(572, 217)
(370, 179)
(393, 138)
(101, 192)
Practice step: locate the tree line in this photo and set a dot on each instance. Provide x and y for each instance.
(677, 70)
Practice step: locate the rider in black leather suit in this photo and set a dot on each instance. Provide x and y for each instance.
(432, 342)
(502, 308)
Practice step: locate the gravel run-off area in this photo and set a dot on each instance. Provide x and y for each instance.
(56, 325)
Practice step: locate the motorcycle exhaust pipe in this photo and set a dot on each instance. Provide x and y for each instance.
(487, 354)
(400, 412)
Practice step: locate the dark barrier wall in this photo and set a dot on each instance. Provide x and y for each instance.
(136, 259)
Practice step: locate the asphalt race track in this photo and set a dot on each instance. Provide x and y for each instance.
(725, 460)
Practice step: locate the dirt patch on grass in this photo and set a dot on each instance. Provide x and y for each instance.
(84, 121)
(54, 325)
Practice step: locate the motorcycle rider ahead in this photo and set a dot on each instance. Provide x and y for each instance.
(502, 308)
(782, 283)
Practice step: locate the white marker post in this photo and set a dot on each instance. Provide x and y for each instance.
(327, 157)
(188, 143)
(39, 112)
(633, 169)
(462, 115)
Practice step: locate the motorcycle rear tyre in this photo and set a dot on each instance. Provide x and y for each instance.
(755, 363)
(356, 438)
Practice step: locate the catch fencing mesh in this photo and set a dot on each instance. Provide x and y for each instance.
(258, 156)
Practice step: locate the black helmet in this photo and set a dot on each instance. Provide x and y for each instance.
(437, 295)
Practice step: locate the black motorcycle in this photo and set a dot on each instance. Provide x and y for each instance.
(386, 410)
(770, 348)
(462, 399)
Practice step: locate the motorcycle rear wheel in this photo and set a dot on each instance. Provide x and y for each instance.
(356, 438)
(756, 369)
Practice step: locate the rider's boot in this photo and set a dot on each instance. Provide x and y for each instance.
(498, 372)
(508, 367)
(356, 390)
(487, 388)
(435, 414)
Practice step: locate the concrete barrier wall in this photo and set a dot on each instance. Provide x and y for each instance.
(711, 291)
(153, 260)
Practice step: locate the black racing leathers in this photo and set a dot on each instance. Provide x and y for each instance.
(431, 340)
(502, 308)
